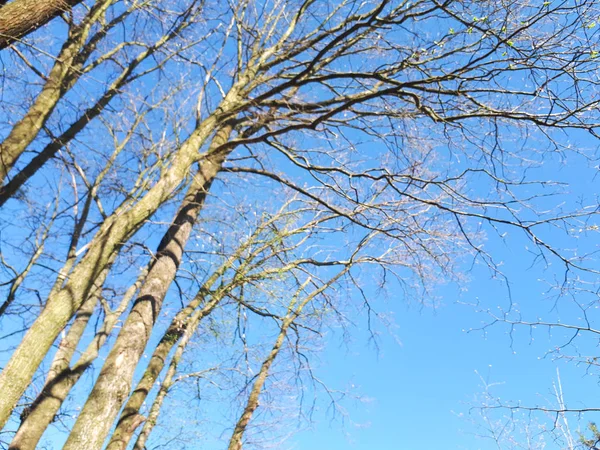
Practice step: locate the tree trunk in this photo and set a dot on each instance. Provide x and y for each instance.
(188, 317)
(235, 443)
(191, 327)
(21, 17)
(181, 326)
(114, 381)
(59, 80)
(115, 230)
(61, 377)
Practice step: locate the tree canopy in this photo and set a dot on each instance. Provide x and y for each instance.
(195, 192)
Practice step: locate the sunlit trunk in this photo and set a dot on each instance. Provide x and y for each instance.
(61, 306)
(62, 377)
(114, 381)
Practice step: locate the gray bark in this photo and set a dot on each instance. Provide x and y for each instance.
(114, 381)
(62, 377)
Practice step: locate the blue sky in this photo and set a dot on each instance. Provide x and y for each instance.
(422, 385)
(420, 391)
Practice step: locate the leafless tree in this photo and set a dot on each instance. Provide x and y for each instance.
(419, 137)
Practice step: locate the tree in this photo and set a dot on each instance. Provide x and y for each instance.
(70, 64)
(418, 137)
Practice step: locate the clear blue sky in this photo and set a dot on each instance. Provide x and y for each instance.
(422, 386)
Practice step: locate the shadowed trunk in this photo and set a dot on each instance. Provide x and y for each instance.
(191, 327)
(114, 381)
(180, 327)
(61, 377)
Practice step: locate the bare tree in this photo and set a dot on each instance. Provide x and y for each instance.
(296, 306)
(70, 65)
(563, 419)
(420, 138)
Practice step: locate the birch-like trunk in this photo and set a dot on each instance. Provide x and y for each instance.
(114, 381)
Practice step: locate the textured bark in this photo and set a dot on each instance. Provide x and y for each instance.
(114, 381)
(183, 323)
(130, 416)
(149, 423)
(21, 17)
(115, 88)
(179, 330)
(115, 230)
(62, 378)
(59, 80)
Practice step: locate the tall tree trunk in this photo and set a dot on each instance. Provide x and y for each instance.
(59, 80)
(180, 327)
(188, 317)
(115, 230)
(166, 384)
(61, 377)
(114, 381)
(21, 17)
